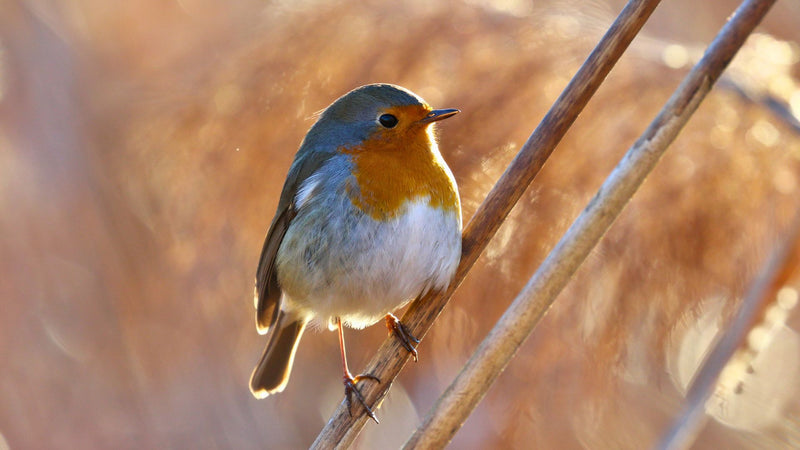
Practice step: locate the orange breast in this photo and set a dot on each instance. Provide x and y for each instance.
(392, 169)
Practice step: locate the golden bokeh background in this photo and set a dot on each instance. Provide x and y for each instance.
(143, 146)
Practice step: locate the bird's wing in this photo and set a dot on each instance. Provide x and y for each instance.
(268, 291)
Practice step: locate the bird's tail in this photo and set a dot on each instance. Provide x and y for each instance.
(272, 372)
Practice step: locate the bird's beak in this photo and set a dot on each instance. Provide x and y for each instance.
(439, 114)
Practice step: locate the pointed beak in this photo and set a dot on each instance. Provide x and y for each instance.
(439, 114)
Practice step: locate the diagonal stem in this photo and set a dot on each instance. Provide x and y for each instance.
(783, 263)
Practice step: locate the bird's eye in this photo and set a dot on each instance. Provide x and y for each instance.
(388, 120)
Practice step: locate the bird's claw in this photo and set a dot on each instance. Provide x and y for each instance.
(350, 389)
(402, 334)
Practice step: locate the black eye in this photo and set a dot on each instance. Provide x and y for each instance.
(388, 120)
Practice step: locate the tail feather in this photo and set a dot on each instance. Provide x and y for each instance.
(272, 372)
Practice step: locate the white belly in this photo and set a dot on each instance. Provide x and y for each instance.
(353, 267)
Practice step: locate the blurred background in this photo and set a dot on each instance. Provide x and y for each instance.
(143, 146)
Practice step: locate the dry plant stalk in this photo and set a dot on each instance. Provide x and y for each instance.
(342, 428)
(783, 263)
(519, 320)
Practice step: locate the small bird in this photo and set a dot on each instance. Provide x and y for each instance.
(369, 218)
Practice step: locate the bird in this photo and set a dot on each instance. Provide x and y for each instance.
(368, 219)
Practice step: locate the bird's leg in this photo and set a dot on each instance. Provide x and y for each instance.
(402, 334)
(350, 380)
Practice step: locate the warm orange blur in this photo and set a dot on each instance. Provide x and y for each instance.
(143, 147)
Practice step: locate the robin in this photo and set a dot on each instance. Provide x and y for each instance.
(369, 218)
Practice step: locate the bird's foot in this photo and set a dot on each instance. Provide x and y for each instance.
(350, 389)
(402, 334)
